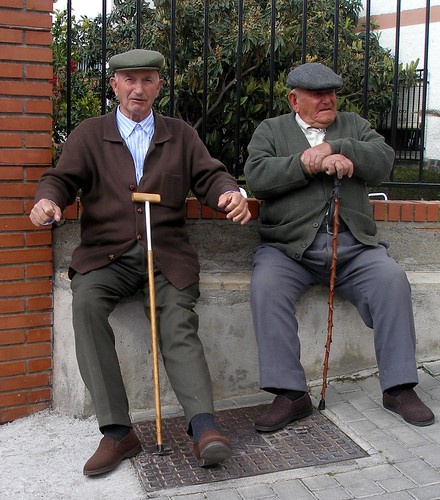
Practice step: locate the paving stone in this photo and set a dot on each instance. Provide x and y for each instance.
(426, 492)
(420, 473)
(338, 493)
(399, 495)
(433, 368)
(321, 482)
(396, 484)
(227, 494)
(391, 449)
(358, 484)
(287, 490)
(346, 412)
(256, 492)
(383, 418)
(429, 454)
(381, 472)
(409, 436)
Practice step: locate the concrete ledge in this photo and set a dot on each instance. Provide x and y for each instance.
(227, 334)
(226, 252)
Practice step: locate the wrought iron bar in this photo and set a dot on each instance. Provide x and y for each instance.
(205, 69)
(336, 37)
(138, 23)
(304, 33)
(69, 68)
(104, 57)
(367, 59)
(238, 87)
(171, 107)
(395, 83)
(425, 89)
(273, 8)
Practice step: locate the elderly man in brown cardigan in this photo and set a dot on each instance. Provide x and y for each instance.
(134, 149)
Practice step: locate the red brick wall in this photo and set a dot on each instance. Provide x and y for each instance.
(384, 210)
(25, 252)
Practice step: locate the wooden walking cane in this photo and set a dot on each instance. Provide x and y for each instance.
(333, 218)
(148, 198)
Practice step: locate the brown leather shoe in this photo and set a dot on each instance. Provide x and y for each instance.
(282, 411)
(409, 406)
(212, 448)
(110, 454)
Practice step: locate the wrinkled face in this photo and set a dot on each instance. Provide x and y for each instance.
(136, 91)
(316, 108)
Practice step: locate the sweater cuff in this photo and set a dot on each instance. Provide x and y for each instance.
(335, 146)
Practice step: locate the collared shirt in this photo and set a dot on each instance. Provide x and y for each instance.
(314, 135)
(137, 136)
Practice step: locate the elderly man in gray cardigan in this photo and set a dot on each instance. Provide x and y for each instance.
(134, 149)
(292, 159)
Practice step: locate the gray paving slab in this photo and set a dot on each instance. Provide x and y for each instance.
(433, 368)
(338, 493)
(420, 472)
(226, 494)
(358, 484)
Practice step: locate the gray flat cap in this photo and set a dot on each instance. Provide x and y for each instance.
(137, 59)
(314, 76)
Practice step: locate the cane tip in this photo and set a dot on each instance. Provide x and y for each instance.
(321, 405)
(162, 451)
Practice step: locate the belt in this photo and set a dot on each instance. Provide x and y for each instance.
(325, 228)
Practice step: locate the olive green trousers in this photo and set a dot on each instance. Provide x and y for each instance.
(95, 295)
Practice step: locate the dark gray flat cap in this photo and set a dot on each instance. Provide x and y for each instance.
(314, 76)
(137, 59)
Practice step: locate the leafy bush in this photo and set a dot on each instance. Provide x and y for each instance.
(217, 87)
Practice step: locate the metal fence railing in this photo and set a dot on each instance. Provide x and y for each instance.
(403, 116)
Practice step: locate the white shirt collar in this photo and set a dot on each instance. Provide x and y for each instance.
(305, 126)
(314, 135)
(127, 125)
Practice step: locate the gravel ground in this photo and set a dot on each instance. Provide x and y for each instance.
(42, 456)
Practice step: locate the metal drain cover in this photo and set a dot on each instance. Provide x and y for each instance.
(310, 441)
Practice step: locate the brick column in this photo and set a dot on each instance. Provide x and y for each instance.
(26, 307)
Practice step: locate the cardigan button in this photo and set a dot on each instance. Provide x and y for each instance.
(139, 210)
(139, 237)
(316, 224)
(111, 257)
(296, 255)
(131, 187)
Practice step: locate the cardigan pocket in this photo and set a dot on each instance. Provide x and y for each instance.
(172, 192)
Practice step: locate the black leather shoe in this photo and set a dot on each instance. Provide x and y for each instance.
(409, 406)
(282, 411)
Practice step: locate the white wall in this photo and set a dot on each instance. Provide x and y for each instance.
(412, 47)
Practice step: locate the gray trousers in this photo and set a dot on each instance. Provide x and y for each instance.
(366, 276)
(95, 295)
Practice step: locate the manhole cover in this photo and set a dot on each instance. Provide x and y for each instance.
(311, 441)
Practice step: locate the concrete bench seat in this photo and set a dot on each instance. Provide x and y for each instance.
(226, 324)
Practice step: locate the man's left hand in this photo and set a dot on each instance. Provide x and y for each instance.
(338, 164)
(236, 206)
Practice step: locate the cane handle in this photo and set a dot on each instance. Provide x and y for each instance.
(142, 197)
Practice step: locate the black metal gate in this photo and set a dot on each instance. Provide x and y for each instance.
(402, 121)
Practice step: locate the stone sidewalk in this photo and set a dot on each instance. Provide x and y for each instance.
(42, 456)
(403, 461)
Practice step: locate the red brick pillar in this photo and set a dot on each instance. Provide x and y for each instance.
(25, 252)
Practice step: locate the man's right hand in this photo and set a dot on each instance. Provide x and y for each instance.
(45, 212)
(313, 158)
